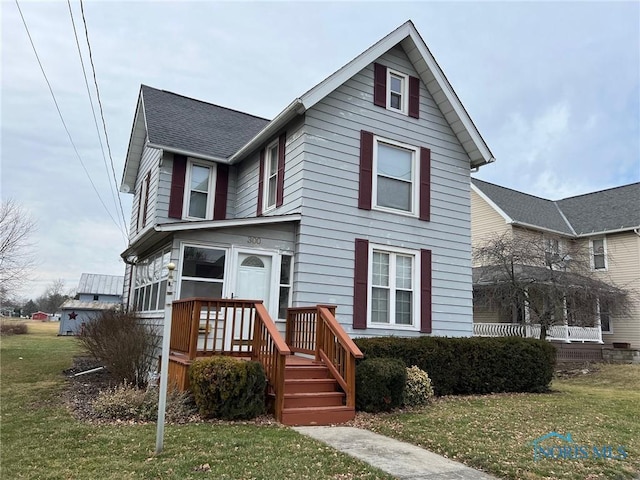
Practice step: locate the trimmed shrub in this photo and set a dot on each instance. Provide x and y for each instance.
(461, 366)
(122, 344)
(9, 327)
(380, 384)
(127, 402)
(418, 390)
(228, 388)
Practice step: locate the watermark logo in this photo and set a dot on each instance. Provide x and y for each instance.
(565, 448)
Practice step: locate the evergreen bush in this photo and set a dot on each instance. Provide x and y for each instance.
(228, 388)
(418, 390)
(380, 384)
(462, 366)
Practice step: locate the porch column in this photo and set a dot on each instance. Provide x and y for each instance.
(565, 320)
(598, 321)
(527, 316)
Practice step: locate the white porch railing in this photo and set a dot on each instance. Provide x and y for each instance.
(562, 333)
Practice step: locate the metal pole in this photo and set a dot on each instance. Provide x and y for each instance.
(164, 364)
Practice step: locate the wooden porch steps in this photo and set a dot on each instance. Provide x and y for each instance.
(311, 395)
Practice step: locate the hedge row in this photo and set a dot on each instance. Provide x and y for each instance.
(461, 366)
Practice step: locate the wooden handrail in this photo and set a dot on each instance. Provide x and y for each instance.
(278, 341)
(339, 332)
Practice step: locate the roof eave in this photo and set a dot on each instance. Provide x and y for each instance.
(294, 109)
(187, 153)
(234, 222)
(132, 159)
(607, 232)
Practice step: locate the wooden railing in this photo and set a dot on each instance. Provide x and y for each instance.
(270, 349)
(315, 331)
(203, 327)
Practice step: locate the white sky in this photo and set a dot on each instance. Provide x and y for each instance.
(552, 87)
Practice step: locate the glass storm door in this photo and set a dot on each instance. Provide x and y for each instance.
(253, 282)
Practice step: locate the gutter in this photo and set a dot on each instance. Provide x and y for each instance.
(237, 222)
(294, 109)
(187, 153)
(607, 232)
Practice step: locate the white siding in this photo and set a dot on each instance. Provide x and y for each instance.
(331, 219)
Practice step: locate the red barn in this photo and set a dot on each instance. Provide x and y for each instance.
(42, 316)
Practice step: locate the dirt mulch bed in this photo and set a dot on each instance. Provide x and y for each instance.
(83, 390)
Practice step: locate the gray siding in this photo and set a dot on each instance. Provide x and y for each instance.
(331, 219)
(150, 161)
(247, 173)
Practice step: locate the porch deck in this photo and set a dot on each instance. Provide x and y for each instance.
(311, 375)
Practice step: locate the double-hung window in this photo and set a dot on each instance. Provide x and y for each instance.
(599, 254)
(392, 287)
(271, 176)
(395, 168)
(397, 98)
(203, 271)
(199, 183)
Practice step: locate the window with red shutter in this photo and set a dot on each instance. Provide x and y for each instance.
(425, 291)
(220, 197)
(360, 283)
(177, 186)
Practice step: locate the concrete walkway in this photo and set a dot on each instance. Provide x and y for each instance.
(402, 460)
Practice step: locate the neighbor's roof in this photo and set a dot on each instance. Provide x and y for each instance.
(81, 305)
(524, 209)
(608, 210)
(612, 209)
(101, 284)
(191, 127)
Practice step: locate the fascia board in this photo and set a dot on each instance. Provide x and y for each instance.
(492, 204)
(187, 153)
(236, 222)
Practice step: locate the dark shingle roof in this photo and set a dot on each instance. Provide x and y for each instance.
(612, 209)
(524, 208)
(186, 124)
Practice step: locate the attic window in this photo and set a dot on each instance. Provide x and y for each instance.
(397, 98)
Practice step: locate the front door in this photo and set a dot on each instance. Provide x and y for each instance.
(253, 282)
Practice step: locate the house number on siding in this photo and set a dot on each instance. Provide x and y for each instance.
(254, 240)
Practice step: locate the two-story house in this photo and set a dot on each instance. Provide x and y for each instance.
(604, 224)
(355, 195)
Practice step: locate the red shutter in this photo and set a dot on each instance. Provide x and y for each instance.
(360, 283)
(147, 182)
(280, 181)
(414, 97)
(380, 85)
(139, 207)
(366, 170)
(425, 291)
(220, 197)
(425, 184)
(260, 183)
(177, 186)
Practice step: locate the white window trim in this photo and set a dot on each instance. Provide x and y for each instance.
(591, 254)
(265, 191)
(415, 281)
(140, 283)
(289, 285)
(415, 170)
(227, 267)
(404, 104)
(143, 194)
(187, 189)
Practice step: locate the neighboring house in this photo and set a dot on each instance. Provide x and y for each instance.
(607, 223)
(42, 316)
(355, 195)
(95, 293)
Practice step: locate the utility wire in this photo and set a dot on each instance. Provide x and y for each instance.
(61, 117)
(112, 185)
(104, 125)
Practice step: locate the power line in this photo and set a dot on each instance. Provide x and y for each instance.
(104, 125)
(112, 185)
(61, 117)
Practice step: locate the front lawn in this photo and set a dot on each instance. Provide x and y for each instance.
(39, 439)
(494, 432)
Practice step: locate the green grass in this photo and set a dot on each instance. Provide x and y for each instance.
(494, 432)
(39, 439)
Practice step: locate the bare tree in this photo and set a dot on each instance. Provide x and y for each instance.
(551, 280)
(16, 247)
(53, 297)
